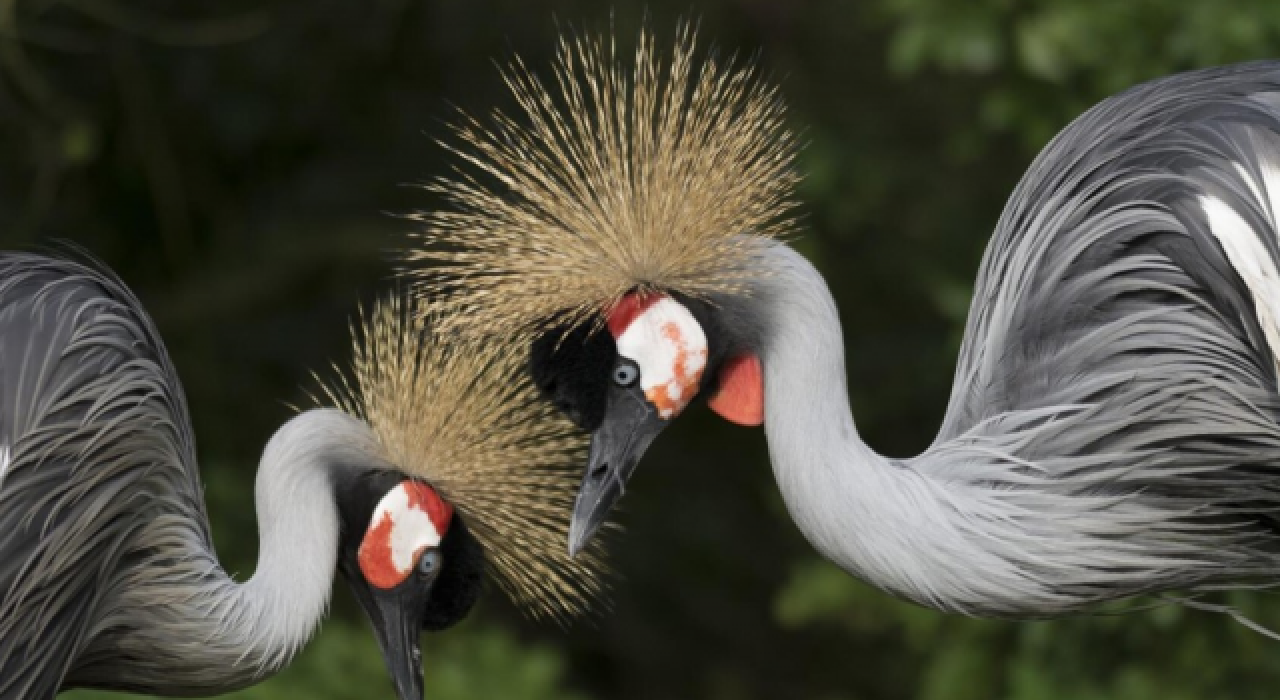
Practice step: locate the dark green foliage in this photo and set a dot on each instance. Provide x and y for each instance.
(234, 161)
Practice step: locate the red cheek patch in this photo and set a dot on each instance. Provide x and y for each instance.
(740, 398)
(410, 518)
(375, 556)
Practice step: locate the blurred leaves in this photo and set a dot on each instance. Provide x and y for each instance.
(1146, 652)
(1086, 48)
(474, 662)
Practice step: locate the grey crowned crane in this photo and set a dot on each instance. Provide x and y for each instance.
(1113, 427)
(438, 458)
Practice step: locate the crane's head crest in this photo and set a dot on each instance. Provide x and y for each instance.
(460, 413)
(668, 171)
(410, 519)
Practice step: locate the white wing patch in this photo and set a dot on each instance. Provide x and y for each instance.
(4, 460)
(1247, 254)
(1267, 192)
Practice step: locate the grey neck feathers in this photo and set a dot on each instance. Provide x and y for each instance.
(280, 606)
(872, 516)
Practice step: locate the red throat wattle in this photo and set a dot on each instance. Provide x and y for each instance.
(740, 398)
(410, 518)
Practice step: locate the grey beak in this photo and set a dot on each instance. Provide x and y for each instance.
(398, 636)
(396, 618)
(629, 427)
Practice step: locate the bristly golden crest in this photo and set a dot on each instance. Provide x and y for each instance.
(462, 415)
(657, 175)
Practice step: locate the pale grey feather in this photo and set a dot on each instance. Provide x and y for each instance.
(97, 462)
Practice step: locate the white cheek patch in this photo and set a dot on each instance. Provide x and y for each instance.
(399, 531)
(411, 532)
(670, 348)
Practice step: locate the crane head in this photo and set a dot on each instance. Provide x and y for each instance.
(459, 412)
(627, 380)
(411, 564)
(667, 175)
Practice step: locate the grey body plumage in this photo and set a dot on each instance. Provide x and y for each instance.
(100, 478)
(1116, 396)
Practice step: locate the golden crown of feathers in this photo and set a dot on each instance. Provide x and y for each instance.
(657, 175)
(462, 415)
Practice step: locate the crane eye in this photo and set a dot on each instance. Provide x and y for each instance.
(625, 373)
(429, 562)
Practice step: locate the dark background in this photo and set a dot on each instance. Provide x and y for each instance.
(241, 164)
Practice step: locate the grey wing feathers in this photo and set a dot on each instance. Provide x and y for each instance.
(95, 426)
(1103, 259)
(1116, 393)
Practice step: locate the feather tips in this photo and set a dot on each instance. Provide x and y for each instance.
(664, 174)
(462, 415)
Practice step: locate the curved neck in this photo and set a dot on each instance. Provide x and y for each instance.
(801, 345)
(288, 594)
(855, 506)
(802, 351)
(204, 632)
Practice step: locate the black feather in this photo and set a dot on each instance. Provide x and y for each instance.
(461, 580)
(570, 366)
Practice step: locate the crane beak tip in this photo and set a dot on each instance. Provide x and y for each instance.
(577, 539)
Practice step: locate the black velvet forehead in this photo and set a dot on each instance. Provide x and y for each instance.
(571, 364)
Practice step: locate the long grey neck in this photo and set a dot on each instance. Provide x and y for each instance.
(201, 632)
(276, 611)
(859, 509)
